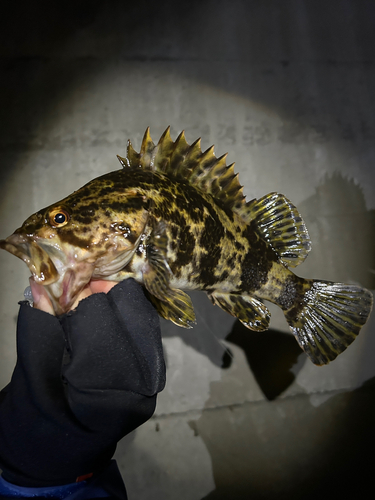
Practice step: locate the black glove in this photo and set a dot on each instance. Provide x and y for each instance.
(82, 382)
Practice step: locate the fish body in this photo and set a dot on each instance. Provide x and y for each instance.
(174, 218)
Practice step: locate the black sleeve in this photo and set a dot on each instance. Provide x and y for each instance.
(82, 381)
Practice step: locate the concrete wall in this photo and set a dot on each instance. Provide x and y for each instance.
(287, 88)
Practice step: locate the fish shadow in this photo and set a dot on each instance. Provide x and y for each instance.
(274, 357)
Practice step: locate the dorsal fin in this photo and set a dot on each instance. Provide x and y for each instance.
(187, 162)
(279, 223)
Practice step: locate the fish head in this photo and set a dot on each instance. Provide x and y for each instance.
(91, 234)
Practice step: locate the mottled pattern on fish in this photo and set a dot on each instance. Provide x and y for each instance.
(175, 218)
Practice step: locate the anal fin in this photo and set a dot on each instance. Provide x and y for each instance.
(172, 304)
(250, 311)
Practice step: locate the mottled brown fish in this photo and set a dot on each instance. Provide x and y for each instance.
(175, 218)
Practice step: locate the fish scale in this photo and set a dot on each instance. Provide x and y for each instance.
(175, 218)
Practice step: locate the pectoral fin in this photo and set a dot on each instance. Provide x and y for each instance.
(251, 312)
(171, 304)
(177, 308)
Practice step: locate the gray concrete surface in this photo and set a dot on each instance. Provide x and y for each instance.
(287, 88)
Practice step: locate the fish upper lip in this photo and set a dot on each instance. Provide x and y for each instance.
(34, 255)
(18, 245)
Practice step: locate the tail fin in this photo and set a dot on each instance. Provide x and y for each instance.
(328, 318)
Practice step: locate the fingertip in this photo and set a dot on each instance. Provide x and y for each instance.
(86, 292)
(102, 286)
(41, 300)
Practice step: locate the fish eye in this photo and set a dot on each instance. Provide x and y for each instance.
(59, 217)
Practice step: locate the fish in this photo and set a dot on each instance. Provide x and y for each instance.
(175, 218)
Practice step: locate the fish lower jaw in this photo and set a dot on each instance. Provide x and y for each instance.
(64, 292)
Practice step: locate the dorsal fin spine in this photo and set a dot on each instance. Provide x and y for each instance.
(147, 149)
(163, 151)
(166, 136)
(178, 154)
(132, 156)
(124, 161)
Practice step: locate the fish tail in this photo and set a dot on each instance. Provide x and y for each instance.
(326, 317)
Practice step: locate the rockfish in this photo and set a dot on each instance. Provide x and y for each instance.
(175, 218)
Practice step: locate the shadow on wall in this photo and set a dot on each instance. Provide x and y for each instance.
(274, 357)
(342, 232)
(207, 335)
(291, 449)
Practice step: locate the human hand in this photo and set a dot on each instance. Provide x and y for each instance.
(95, 375)
(41, 300)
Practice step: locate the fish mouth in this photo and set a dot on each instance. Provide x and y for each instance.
(50, 266)
(35, 257)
